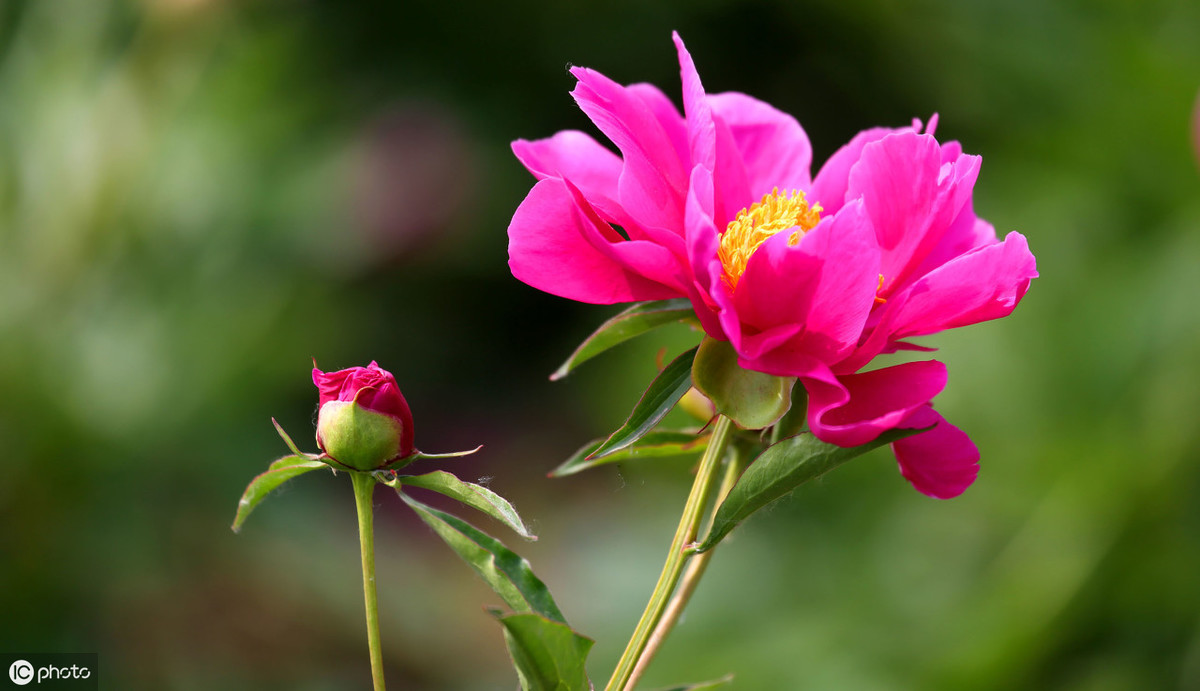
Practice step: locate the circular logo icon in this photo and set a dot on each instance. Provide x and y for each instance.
(21, 672)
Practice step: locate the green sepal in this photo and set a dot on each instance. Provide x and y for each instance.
(795, 420)
(419, 456)
(634, 321)
(507, 573)
(548, 655)
(291, 444)
(702, 686)
(780, 469)
(358, 437)
(279, 472)
(475, 496)
(660, 397)
(656, 444)
(751, 399)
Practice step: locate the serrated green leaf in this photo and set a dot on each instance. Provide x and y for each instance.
(657, 444)
(751, 399)
(702, 686)
(279, 472)
(658, 400)
(547, 655)
(508, 574)
(780, 469)
(634, 321)
(475, 496)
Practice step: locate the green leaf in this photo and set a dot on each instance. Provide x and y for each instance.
(702, 686)
(547, 655)
(751, 399)
(634, 321)
(662, 395)
(278, 473)
(504, 571)
(781, 469)
(475, 496)
(656, 444)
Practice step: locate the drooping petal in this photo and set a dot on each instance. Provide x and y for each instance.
(981, 285)
(825, 283)
(942, 462)
(774, 147)
(549, 249)
(652, 183)
(911, 196)
(853, 409)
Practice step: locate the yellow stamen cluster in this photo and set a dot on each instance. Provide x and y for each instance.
(754, 226)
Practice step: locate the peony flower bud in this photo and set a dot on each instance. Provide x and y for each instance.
(364, 421)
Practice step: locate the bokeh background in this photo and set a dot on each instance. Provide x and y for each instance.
(197, 197)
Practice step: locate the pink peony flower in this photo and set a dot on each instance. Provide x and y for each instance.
(805, 276)
(363, 420)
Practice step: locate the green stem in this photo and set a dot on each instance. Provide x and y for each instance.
(687, 586)
(364, 487)
(685, 534)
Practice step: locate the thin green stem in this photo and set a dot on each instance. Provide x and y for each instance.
(364, 487)
(687, 585)
(685, 534)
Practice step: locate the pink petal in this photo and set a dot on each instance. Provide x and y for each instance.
(911, 196)
(549, 249)
(826, 283)
(651, 186)
(981, 285)
(966, 233)
(942, 462)
(702, 240)
(702, 133)
(667, 115)
(774, 147)
(853, 409)
(647, 258)
(829, 187)
(575, 155)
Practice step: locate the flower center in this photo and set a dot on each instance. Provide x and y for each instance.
(755, 225)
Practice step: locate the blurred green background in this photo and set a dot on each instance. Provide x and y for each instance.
(199, 196)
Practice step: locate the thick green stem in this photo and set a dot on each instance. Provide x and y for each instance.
(364, 487)
(687, 586)
(685, 534)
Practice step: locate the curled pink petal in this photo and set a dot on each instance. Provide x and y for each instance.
(853, 409)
